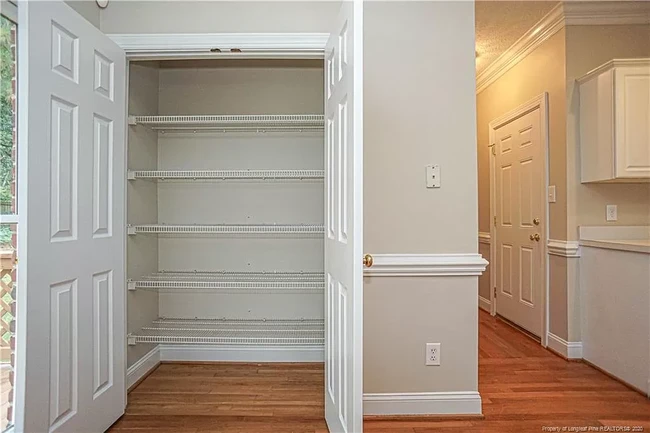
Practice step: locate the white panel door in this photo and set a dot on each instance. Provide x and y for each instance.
(71, 316)
(520, 227)
(344, 225)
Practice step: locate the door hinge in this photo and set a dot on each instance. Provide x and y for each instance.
(494, 150)
(495, 292)
(495, 221)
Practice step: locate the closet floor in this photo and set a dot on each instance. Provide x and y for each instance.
(227, 398)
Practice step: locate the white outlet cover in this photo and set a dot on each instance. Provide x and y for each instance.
(432, 354)
(612, 212)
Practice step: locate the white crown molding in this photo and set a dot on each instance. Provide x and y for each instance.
(484, 238)
(577, 13)
(196, 353)
(142, 367)
(615, 63)
(422, 403)
(142, 46)
(596, 13)
(568, 349)
(563, 248)
(550, 24)
(426, 265)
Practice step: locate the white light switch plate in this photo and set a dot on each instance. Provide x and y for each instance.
(433, 176)
(551, 194)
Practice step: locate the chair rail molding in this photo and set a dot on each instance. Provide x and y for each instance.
(426, 265)
(583, 13)
(563, 248)
(484, 238)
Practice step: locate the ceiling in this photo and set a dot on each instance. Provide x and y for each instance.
(500, 23)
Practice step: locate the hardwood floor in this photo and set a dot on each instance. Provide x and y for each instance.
(523, 387)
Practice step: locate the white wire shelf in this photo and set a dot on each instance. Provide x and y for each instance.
(227, 229)
(233, 123)
(232, 332)
(233, 282)
(226, 174)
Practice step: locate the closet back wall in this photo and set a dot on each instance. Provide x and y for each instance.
(240, 87)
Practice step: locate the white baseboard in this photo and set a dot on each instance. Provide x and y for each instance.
(142, 367)
(423, 403)
(485, 304)
(568, 349)
(187, 352)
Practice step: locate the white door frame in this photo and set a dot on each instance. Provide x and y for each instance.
(175, 46)
(185, 46)
(541, 102)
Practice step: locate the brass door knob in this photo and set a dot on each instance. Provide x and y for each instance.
(535, 237)
(536, 221)
(368, 260)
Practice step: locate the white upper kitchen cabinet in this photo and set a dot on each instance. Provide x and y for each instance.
(615, 122)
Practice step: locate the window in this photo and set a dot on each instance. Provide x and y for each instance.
(8, 212)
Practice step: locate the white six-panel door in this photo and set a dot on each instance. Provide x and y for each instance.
(520, 225)
(71, 305)
(343, 237)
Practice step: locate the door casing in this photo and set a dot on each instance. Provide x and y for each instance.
(541, 102)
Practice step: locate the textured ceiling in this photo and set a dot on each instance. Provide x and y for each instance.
(500, 23)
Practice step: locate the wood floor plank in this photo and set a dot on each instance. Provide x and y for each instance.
(523, 387)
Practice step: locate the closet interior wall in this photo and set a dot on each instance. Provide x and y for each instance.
(224, 87)
(142, 203)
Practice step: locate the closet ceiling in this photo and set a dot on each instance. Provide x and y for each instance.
(500, 23)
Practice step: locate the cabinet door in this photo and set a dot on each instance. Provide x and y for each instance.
(632, 122)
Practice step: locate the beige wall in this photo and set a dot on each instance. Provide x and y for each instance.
(417, 108)
(541, 71)
(588, 47)
(218, 16)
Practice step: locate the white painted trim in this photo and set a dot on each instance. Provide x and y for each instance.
(422, 403)
(142, 367)
(564, 14)
(563, 248)
(540, 102)
(188, 352)
(596, 13)
(484, 238)
(615, 63)
(549, 25)
(485, 304)
(568, 349)
(8, 219)
(198, 45)
(426, 265)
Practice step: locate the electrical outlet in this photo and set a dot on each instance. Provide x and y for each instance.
(612, 212)
(433, 354)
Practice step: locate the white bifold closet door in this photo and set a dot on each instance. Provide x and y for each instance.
(71, 324)
(344, 221)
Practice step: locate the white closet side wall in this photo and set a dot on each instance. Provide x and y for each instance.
(236, 87)
(142, 202)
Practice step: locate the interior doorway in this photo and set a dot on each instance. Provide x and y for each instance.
(519, 215)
